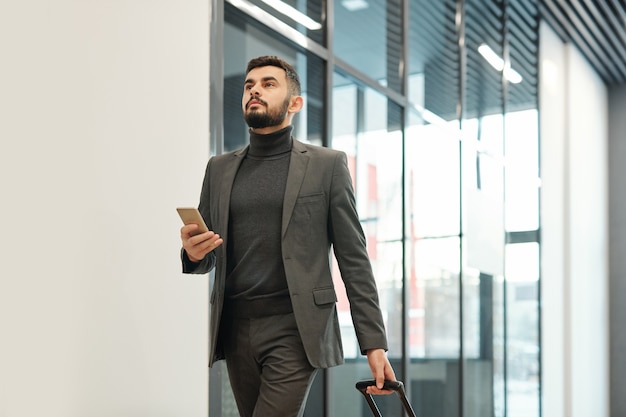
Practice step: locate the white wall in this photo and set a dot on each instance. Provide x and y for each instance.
(103, 132)
(574, 209)
(555, 335)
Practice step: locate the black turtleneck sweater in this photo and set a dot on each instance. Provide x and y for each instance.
(255, 264)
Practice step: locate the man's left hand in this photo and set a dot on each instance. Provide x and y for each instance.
(381, 371)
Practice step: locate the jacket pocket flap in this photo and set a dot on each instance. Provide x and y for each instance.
(324, 296)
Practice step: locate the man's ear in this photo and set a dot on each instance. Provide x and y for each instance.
(295, 104)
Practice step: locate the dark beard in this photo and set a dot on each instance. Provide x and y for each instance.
(259, 120)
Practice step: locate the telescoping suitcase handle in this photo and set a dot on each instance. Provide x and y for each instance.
(396, 386)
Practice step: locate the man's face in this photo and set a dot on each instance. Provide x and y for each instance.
(266, 98)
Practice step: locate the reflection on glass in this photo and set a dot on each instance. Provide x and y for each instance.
(361, 129)
(433, 63)
(368, 36)
(303, 15)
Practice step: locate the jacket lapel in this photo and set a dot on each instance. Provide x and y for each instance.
(226, 186)
(297, 169)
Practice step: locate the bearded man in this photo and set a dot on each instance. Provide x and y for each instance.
(274, 211)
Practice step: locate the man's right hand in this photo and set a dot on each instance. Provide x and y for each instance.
(199, 245)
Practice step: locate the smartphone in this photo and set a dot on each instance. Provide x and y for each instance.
(191, 215)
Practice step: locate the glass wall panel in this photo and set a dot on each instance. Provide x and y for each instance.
(434, 323)
(522, 214)
(432, 212)
(522, 272)
(368, 36)
(433, 61)
(432, 178)
(435, 279)
(483, 210)
(447, 189)
(365, 127)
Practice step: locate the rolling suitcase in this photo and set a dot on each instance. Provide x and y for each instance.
(396, 386)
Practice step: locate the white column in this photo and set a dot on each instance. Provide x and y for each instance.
(574, 210)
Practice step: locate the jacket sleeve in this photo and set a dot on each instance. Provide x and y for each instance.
(202, 267)
(208, 263)
(349, 246)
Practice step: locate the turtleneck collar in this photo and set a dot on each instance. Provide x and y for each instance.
(271, 144)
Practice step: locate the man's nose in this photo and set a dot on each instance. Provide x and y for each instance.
(254, 91)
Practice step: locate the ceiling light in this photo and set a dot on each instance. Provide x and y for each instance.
(498, 63)
(354, 5)
(512, 76)
(294, 14)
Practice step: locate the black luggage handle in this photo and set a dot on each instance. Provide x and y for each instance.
(396, 386)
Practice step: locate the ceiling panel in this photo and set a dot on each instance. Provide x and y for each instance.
(597, 28)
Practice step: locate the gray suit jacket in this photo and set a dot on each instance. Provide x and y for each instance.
(319, 212)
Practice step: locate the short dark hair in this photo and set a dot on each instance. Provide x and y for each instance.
(274, 61)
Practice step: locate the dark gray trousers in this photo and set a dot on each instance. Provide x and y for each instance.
(269, 372)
